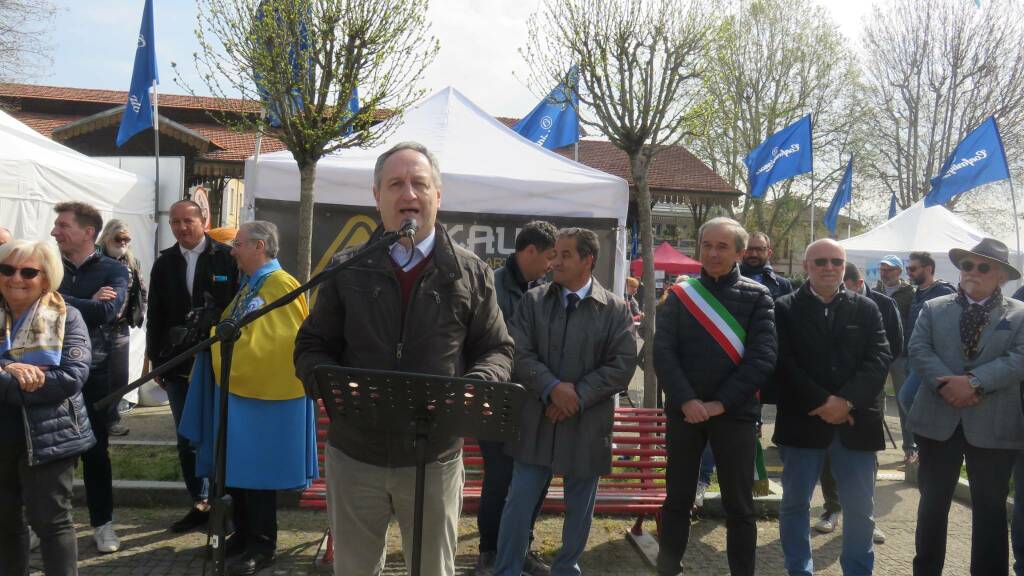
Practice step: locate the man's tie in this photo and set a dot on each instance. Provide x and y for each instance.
(574, 302)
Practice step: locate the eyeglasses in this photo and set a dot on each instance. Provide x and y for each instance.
(887, 269)
(26, 273)
(822, 262)
(912, 269)
(757, 249)
(123, 240)
(983, 267)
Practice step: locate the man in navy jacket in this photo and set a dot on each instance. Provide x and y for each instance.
(97, 286)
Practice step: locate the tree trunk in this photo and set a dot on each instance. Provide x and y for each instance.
(307, 175)
(638, 164)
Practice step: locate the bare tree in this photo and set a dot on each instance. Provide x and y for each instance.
(639, 65)
(304, 58)
(24, 46)
(936, 69)
(771, 62)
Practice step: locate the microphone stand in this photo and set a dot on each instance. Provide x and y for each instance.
(227, 333)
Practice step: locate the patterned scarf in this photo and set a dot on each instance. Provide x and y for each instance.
(974, 319)
(38, 336)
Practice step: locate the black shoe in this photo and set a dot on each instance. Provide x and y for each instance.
(534, 565)
(194, 519)
(118, 430)
(485, 563)
(250, 563)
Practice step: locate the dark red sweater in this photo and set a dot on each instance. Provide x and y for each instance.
(407, 280)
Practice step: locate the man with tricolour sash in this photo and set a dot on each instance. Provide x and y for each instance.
(714, 348)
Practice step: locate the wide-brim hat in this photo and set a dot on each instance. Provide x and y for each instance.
(989, 249)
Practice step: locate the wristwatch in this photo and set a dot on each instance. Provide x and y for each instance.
(849, 406)
(975, 384)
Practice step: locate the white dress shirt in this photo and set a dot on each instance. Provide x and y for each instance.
(191, 258)
(400, 254)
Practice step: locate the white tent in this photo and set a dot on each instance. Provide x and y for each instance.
(486, 168)
(37, 173)
(935, 230)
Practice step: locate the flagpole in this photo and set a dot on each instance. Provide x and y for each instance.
(812, 206)
(156, 148)
(849, 207)
(1016, 225)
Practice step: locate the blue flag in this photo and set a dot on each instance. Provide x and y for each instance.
(843, 195)
(353, 107)
(892, 206)
(554, 122)
(978, 159)
(295, 102)
(138, 111)
(782, 155)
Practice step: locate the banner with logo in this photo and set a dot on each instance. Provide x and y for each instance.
(978, 159)
(783, 155)
(138, 110)
(554, 123)
(492, 237)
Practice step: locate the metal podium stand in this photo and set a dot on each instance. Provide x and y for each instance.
(423, 407)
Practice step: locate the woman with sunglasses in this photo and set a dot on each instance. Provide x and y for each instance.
(44, 362)
(115, 242)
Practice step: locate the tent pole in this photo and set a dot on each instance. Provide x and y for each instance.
(156, 193)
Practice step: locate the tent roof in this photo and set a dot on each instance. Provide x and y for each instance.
(934, 229)
(485, 167)
(667, 258)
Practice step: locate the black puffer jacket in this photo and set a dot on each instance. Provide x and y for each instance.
(692, 365)
(836, 349)
(55, 423)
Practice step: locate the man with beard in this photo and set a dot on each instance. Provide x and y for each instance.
(756, 265)
(922, 274)
(968, 349)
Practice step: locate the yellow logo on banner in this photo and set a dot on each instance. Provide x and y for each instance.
(355, 232)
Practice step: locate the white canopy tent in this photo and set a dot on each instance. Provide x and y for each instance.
(486, 168)
(935, 230)
(37, 173)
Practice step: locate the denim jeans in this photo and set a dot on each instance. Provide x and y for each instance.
(707, 465)
(908, 392)
(528, 481)
(177, 392)
(498, 468)
(854, 471)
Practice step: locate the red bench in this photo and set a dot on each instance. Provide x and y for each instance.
(636, 486)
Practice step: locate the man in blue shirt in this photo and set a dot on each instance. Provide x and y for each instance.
(97, 286)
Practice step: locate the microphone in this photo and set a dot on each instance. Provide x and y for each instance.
(408, 229)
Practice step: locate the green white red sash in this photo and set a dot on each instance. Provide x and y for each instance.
(713, 316)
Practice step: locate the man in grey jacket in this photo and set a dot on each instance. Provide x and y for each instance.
(575, 351)
(968, 349)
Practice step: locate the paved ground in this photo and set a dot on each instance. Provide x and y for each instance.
(149, 549)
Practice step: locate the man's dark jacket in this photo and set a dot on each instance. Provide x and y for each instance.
(78, 287)
(52, 419)
(904, 296)
(890, 320)
(452, 327)
(691, 365)
(836, 349)
(509, 286)
(779, 286)
(170, 303)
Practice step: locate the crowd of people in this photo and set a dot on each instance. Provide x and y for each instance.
(734, 337)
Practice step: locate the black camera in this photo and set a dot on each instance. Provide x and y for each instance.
(196, 327)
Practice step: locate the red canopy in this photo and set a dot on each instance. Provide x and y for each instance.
(669, 259)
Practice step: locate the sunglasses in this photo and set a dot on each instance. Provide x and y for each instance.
(26, 273)
(123, 240)
(983, 267)
(822, 262)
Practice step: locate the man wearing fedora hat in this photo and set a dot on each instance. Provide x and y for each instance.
(968, 349)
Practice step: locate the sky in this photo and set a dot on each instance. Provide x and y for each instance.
(94, 44)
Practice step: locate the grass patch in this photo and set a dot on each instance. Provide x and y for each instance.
(156, 463)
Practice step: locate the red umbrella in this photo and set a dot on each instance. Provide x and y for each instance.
(669, 259)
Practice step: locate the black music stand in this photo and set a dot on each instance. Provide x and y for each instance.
(421, 406)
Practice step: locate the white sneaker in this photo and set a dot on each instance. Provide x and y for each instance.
(698, 500)
(878, 536)
(33, 540)
(106, 539)
(828, 523)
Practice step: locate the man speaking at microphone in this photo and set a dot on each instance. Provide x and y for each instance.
(421, 305)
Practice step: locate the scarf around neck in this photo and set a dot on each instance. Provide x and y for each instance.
(974, 319)
(38, 336)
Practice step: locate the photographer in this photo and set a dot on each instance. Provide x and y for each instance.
(190, 285)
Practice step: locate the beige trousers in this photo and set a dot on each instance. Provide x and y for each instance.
(362, 499)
